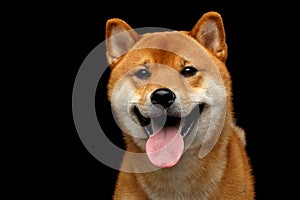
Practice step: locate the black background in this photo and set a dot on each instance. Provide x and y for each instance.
(258, 37)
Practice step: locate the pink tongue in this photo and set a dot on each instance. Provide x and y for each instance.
(165, 147)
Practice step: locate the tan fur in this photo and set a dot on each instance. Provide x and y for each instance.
(225, 172)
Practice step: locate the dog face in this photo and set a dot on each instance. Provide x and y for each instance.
(167, 88)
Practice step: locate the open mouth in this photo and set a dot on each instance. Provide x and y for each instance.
(184, 124)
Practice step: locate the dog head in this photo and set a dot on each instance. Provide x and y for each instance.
(169, 90)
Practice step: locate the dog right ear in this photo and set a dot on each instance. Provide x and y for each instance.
(120, 37)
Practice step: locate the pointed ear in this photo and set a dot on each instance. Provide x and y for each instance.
(209, 31)
(120, 37)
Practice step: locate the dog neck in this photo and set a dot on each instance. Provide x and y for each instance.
(179, 182)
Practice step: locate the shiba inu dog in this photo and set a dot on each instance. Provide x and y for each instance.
(170, 92)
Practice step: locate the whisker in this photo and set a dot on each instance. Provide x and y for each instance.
(133, 102)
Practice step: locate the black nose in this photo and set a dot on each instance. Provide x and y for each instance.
(163, 97)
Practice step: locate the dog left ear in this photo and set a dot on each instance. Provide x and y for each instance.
(209, 31)
(120, 37)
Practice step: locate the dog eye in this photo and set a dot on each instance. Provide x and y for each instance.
(188, 71)
(142, 74)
